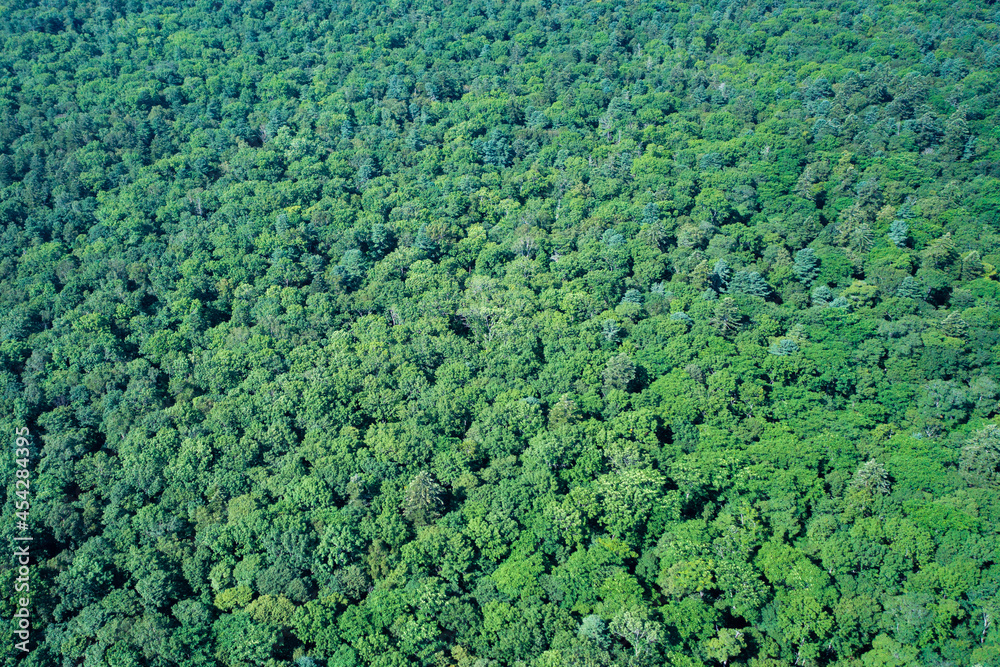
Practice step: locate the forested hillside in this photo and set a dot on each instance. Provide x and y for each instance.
(497, 333)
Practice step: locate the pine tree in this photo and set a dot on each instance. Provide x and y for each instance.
(972, 265)
(841, 302)
(749, 282)
(495, 149)
(610, 330)
(351, 269)
(969, 152)
(783, 347)
(818, 89)
(650, 214)
(956, 132)
(910, 289)
(681, 316)
(954, 326)
(422, 499)
(822, 295)
(806, 265)
(612, 238)
(397, 89)
(379, 241)
(719, 278)
(940, 253)
(727, 316)
(632, 296)
(899, 232)
(619, 373)
(413, 141)
(701, 275)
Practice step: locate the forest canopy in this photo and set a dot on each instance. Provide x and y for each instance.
(499, 333)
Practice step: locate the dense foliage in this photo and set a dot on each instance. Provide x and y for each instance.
(504, 333)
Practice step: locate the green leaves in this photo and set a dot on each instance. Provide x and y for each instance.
(979, 462)
(618, 373)
(727, 317)
(422, 501)
(499, 332)
(806, 265)
(629, 496)
(242, 641)
(635, 627)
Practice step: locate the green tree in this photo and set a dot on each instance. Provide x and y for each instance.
(619, 373)
(242, 641)
(806, 265)
(636, 628)
(727, 316)
(422, 502)
(979, 461)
